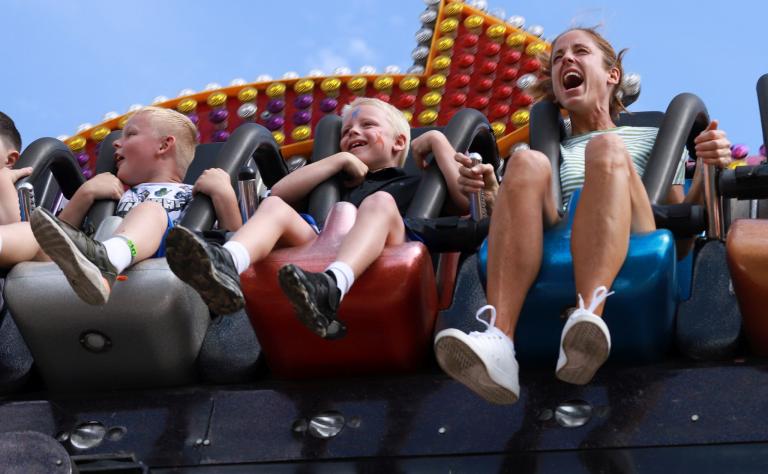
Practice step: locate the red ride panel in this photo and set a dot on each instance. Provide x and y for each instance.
(390, 312)
(747, 250)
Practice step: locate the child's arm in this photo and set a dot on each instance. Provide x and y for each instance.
(101, 186)
(9, 198)
(437, 143)
(298, 184)
(215, 182)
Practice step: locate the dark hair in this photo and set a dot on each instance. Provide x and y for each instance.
(8, 132)
(543, 89)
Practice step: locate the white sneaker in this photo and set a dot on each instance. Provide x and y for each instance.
(483, 361)
(585, 342)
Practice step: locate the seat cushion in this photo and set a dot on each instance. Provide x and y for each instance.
(148, 334)
(640, 315)
(389, 313)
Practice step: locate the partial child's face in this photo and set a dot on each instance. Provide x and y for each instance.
(580, 80)
(367, 134)
(136, 151)
(8, 155)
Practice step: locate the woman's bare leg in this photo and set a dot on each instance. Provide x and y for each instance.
(602, 224)
(515, 243)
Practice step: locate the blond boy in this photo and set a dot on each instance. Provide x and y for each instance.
(374, 144)
(151, 157)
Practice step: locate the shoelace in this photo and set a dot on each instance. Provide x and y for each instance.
(598, 296)
(491, 332)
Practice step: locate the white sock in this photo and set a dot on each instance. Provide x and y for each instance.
(239, 254)
(344, 276)
(118, 252)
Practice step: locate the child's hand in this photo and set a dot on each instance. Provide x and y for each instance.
(212, 181)
(354, 170)
(421, 146)
(713, 147)
(103, 186)
(15, 174)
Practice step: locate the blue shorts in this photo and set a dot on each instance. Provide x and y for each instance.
(161, 250)
(311, 221)
(411, 235)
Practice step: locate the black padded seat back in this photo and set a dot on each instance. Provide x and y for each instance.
(205, 157)
(105, 160)
(467, 131)
(684, 119)
(762, 102)
(410, 164)
(49, 156)
(640, 119)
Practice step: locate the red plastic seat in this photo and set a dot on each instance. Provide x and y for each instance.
(388, 333)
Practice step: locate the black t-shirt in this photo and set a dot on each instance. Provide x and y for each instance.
(394, 181)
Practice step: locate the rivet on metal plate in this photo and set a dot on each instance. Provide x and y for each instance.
(87, 435)
(326, 425)
(573, 413)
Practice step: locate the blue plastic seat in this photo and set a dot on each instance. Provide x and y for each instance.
(640, 314)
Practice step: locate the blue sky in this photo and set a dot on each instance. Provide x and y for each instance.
(66, 63)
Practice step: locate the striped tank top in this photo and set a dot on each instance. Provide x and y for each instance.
(638, 140)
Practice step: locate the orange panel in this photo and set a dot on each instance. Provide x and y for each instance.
(747, 250)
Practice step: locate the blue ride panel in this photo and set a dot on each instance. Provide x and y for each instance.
(640, 315)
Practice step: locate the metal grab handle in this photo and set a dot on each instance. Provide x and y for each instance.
(712, 201)
(477, 209)
(26, 200)
(248, 189)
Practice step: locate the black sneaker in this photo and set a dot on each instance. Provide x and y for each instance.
(315, 298)
(206, 267)
(83, 260)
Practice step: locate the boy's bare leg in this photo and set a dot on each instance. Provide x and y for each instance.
(378, 225)
(18, 245)
(275, 224)
(524, 209)
(214, 270)
(144, 225)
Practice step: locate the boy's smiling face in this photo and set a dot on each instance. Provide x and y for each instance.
(136, 150)
(367, 134)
